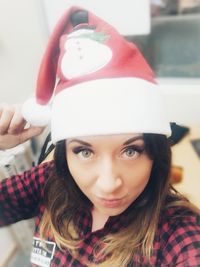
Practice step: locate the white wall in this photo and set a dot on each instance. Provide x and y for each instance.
(7, 246)
(182, 100)
(23, 37)
(137, 13)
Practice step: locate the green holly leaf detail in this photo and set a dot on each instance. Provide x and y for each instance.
(100, 37)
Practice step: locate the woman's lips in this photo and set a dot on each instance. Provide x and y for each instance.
(110, 203)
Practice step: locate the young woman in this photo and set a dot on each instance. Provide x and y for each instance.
(105, 199)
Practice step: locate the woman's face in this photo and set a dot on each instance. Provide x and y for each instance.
(111, 171)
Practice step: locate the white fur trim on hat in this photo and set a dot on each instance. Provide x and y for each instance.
(108, 106)
(36, 114)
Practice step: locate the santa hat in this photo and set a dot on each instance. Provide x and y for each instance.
(92, 81)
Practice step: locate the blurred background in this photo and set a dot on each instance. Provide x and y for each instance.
(168, 34)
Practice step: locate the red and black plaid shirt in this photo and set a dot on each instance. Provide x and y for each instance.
(177, 240)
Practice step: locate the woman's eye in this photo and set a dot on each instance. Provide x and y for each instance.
(130, 152)
(83, 152)
(86, 153)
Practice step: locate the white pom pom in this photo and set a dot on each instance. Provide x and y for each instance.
(36, 114)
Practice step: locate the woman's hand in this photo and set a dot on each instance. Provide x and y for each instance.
(13, 127)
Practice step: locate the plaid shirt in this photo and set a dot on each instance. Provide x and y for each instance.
(177, 240)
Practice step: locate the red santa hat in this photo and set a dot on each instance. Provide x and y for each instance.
(92, 81)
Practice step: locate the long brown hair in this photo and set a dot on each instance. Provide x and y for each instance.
(64, 201)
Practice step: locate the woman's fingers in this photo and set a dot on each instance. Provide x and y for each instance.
(17, 122)
(13, 128)
(11, 120)
(11, 140)
(6, 114)
(29, 133)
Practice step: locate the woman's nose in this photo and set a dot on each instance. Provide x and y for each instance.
(109, 179)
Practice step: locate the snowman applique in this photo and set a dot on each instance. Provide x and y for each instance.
(84, 52)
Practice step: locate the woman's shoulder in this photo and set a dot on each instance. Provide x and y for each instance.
(47, 165)
(41, 172)
(44, 168)
(179, 232)
(178, 237)
(178, 208)
(180, 216)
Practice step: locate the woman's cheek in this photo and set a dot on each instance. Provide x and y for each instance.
(80, 172)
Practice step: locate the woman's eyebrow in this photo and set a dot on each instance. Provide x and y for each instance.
(135, 138)
(80, 141)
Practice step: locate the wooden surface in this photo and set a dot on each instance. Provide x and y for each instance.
(184, 155)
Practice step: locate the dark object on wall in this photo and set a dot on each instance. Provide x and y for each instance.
(170, 7)
(178, 132)
(196, 145)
